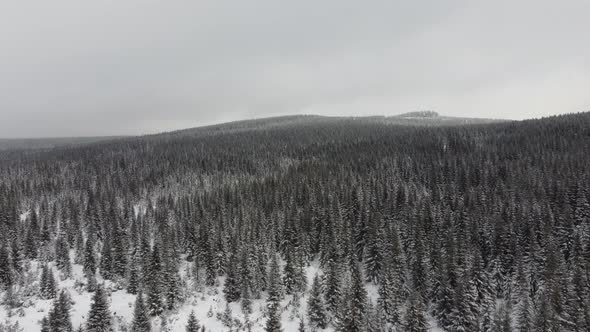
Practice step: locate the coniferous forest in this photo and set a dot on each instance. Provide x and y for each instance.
(302, 224)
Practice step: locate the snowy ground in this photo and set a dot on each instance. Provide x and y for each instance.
(207, 302)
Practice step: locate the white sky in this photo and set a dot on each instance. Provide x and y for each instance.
(100, 67)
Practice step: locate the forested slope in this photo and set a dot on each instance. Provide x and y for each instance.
(480, 227)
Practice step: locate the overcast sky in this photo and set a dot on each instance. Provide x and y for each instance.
(101, 67)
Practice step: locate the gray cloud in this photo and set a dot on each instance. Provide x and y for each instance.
(88, 68)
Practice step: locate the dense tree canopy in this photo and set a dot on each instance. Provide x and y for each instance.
(466, 223)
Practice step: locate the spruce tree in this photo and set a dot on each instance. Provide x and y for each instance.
(192, 324)
(544, 320)
(524, 315)
(119, 255)
(99, 316)
(373, 249)
(289, 280)
(59, 315)
(353, 316)
(89, 257)
(273, 323)
(246, 302)
(389, 293)
(315, 306)
(45, 327)
(16, 256)
(47, 284)
(91, 282)
(332, 287)
(275, 287)
(31, 245)
(301, 327)
(414, 320)
(141, 322)
(231, 289)
(6, 278)
(173, 291)
(134, 278)
(62, 256)
(154, 300)
(154, 283)
(106, 259)
(502, 321)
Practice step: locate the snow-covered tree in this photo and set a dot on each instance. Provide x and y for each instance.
(315, 305)
(192, 324)
(141, 322)
(99, 316)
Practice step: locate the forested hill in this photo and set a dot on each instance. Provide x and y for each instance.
(410, 227)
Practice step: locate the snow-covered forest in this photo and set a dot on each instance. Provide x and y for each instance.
(302, 224)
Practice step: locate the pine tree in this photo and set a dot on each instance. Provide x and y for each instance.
(275, 287)
(414, 319)
(79, 247)
(231, 289)
(119, 255)
(315, 306)
(193, 323)
(62, 256)
(502, 320)
(91, 282)
(45, 327)
(99, 317)
(31, 245)
(89, 257)
(173, 293)
(6, 278)
(246, 303)
(273, 323)
(373, 251)
(47, 284)
(289, 280)
(210, 271)
(106, 259)
(154, 299)
(59, 315)
(353, 316)
(389, 295)
(544, 319)
(133, 282)
(141, 322)
(332, 287)
(16, 256)
(301, 327)
(154, 284)
(373, 319)
(524, 318)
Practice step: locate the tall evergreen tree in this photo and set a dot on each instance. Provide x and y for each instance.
(89, 257)
(414, 318)
(59, 315)
(141, 322)
(315, 306)
(6, 275)
(99, 316)
(231, 288)
(154, 284)
(353, 316)
(62, 256)
(47, 283)
(192, 324)
(273, 323)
